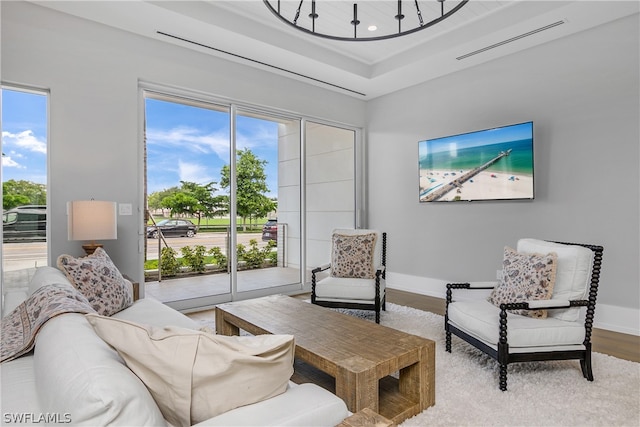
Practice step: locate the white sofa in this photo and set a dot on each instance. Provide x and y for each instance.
(73, 376)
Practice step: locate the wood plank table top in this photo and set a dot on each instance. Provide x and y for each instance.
(356, 352)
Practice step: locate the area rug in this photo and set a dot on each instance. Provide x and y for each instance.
(539, 393)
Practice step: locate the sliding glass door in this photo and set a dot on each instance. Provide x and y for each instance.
(187, 224)
(267, 196)
(240, 201)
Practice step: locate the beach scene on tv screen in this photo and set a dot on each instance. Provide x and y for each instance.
(492, 164)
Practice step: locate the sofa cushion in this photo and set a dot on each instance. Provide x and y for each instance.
(525, 277)
(46, 276)
(18, 389)
(306, 405)
(154, 313)
(573, 273)
(11, 299)
(99, 280)
(33, 279)
(185, 370)
(480, 319)
(352, 256)
(21, 326)
(77, 373)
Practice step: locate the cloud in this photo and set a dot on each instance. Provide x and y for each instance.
(258, 136)
(8, 162)
(25, 140)
(193, 172)
(191, 139)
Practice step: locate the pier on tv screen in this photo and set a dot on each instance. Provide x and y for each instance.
(489, 164)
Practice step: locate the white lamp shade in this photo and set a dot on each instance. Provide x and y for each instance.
(92, 220)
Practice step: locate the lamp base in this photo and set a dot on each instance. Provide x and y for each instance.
(91, 248)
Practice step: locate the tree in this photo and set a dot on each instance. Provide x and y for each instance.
(154, 200)
(195, 200)
(208, 204)
(251, 186)
(16, 193)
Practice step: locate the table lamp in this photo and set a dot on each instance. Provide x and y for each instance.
(92, 220)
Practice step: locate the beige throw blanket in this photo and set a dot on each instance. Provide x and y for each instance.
(20, 327)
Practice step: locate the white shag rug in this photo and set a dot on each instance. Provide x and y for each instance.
(539, 393)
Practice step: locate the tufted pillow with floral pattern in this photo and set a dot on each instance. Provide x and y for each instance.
(525, 277)
(352, 255)
(99, 280)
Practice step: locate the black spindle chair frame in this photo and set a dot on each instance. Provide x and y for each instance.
(502, 354)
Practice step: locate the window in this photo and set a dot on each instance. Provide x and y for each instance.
(24, 178)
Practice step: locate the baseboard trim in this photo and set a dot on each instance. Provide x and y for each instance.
(608, 317)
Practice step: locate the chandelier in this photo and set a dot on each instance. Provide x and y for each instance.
(339, 20)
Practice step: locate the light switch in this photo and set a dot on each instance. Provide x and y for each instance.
(125, 209)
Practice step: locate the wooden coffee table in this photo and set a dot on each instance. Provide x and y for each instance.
(359, 354)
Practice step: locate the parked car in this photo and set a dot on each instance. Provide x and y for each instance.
(172, 227)
(25, 223)
(270, 230)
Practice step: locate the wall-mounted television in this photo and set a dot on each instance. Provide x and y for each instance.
(489, 164)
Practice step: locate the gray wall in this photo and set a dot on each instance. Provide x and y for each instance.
(582, 93)
(93, 74)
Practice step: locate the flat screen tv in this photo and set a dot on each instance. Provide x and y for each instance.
(489, 164)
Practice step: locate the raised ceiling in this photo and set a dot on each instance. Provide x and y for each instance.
(247, 32)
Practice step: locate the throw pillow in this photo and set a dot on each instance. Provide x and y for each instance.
(99, 280)
(352, 255)
(525, 277)
(193, 375)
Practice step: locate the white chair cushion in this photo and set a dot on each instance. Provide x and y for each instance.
(573, 272)
(348, 289)
(481, 319)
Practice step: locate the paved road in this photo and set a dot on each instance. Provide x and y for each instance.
(34, 254)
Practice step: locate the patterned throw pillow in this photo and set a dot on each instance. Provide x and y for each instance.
(99, 280)
(525, 277)
(352, 255)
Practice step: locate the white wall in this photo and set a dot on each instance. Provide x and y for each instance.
(582, 93)
(93, 73)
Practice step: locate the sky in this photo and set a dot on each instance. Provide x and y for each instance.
(24, 136)
(184, 143)
(187, 143)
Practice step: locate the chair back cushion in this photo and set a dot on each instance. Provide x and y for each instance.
(573, 273)
(355, 253)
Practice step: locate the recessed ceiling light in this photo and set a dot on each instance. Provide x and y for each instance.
(372, 28)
